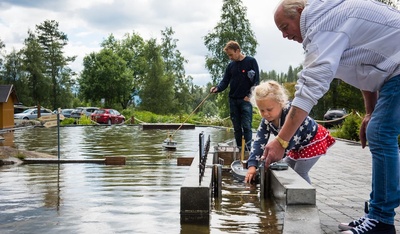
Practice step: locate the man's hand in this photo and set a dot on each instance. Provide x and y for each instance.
(273, 152)
(251, 175)
(213, 89)
(363, 130)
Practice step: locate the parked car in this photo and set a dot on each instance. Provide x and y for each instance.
(108, 116)
(79, 111)
(333, 114)
(32, 114)
(19, 108)
(66, 112)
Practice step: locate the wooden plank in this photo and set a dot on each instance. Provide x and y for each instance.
(51, 117)
(50, 124)
(184, 161)
(115, 160)
(167, 126)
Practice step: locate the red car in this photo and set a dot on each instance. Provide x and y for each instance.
(107, 116)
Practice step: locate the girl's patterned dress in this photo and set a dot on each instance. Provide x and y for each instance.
(310, 140)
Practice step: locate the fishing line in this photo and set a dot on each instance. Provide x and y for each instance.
(201, 103)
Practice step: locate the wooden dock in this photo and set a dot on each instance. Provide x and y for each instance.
(150, 126)
(109, 160)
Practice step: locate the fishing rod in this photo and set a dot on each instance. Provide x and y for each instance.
(201, 103)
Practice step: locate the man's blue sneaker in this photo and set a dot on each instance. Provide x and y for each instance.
(372, 226)
(355, 223)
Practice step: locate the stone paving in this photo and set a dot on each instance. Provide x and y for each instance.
(342, 179)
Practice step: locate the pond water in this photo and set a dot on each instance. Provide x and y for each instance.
(142, 196)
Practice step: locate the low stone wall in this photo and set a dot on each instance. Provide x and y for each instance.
(291, 192)
(298, 198)
(195, 195)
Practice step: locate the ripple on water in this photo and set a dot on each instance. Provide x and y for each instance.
(142, 196)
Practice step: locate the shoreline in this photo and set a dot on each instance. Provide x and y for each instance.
(10, 153)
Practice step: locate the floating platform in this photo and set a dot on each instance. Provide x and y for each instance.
(107, 160)
(150, 126)
(169, 144)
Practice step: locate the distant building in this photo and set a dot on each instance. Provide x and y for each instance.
(8, 97)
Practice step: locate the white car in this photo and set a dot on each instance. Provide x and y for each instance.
(32, 114)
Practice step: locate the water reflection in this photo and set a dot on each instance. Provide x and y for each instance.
(142, 196)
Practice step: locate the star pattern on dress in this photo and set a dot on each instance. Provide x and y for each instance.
(297, 139)
(309, 140)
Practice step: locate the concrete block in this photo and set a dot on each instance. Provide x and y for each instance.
(291, 189)
(195, 194)
(301, 219)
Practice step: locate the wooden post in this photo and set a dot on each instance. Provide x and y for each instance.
(115, 160)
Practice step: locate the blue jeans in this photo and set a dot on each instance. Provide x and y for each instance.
(241, 116)
(382, 132)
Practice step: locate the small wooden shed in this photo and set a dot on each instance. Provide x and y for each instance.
(8, 97)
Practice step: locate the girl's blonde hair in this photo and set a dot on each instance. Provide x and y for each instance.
(269, 89)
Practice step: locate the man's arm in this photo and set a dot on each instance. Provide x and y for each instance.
(274, 151)
(295, 117)
(370, 99)
(257, 75)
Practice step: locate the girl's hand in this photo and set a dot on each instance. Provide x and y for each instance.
(251, 175)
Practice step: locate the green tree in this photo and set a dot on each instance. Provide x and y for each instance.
(233, 25)
(157, 92)
(291, 77)
(339, 95)
(175, 70)
(2, 45)
(11, 69)
(131, 50)
(13, 73)
(34, 64)
(105, 75)
(53, 42)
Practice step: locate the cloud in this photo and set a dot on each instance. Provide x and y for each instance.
(87, 23)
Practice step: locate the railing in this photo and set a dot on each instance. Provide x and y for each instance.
(203, 152)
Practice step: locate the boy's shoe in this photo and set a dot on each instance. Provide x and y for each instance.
(355, 223)
(372, 226)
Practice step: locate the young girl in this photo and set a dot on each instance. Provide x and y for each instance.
(310, 141)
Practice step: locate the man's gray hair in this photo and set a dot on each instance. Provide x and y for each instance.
(290, 7)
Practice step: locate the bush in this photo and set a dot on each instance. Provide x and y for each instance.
(350, 129)
(67, 121)
(256, 119)
(84, 120)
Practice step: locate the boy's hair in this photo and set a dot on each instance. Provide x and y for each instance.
(269, 89)
(232, 45)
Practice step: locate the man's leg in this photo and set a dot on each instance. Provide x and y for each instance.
(247, 117)
(235, 118)
(382, 132)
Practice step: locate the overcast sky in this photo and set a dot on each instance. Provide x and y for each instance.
(88, 22)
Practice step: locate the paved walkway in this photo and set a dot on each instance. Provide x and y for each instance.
(342, 179)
